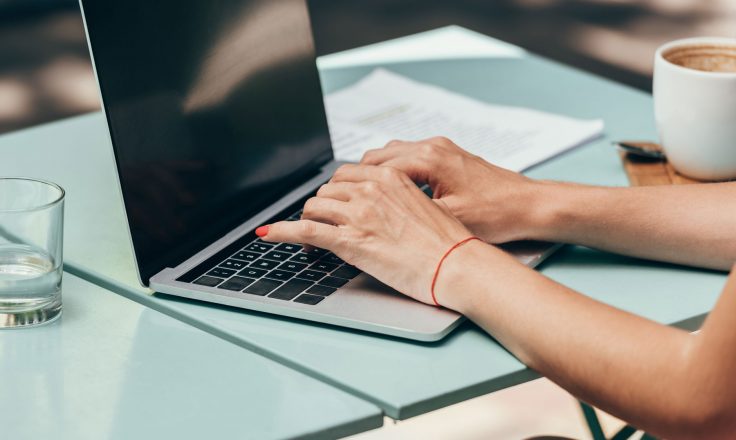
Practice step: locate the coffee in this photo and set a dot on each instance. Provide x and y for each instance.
(708, 58)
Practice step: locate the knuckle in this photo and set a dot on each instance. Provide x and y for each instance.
(441, 140)
(370, 188)
(323, 189)
(427, 150)
(340, 172)
(393, 143)
(307, 230)
(368, 155)
(310, 205)
(389, 174)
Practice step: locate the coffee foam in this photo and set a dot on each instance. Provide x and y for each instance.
(707, 58)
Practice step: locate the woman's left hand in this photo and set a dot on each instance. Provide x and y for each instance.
(376, 219)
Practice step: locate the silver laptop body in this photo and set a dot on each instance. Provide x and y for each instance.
(176, 74)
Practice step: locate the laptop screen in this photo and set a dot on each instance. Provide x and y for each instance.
(215, 111)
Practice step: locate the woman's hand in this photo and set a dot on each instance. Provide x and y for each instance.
(376, 219)
(496, 204)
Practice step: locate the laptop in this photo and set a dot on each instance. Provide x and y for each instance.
(216, 118)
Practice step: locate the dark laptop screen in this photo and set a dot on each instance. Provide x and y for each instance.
(215, 110)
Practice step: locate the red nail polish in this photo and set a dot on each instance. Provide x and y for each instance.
(262, 231)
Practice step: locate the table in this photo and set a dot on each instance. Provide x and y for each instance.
(111, 368)
(403, 378)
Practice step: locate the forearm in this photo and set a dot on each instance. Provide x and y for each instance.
(631, 367)
(691, 224)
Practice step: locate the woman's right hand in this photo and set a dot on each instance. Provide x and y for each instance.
(496, 204)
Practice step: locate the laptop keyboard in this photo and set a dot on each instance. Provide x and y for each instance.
(283, 271)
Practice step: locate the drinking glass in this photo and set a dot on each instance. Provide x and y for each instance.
(31, 233)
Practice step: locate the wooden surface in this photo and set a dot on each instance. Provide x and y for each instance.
(647, 172)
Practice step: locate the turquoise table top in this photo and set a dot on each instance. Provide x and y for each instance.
(403, 378)
(111, 368)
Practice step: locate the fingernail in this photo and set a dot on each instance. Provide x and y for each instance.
(262, 231)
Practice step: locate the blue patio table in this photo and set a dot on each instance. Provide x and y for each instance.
(112, 368)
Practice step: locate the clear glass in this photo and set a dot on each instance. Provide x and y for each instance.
(31, 241)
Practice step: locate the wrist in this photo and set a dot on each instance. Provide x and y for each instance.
(454, 288)
(555, 210)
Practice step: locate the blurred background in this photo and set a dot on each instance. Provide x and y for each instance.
(45, 72)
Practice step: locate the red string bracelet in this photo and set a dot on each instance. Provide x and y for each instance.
(442, 260)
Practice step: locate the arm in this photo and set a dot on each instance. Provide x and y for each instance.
(660, 379)
(690, 224)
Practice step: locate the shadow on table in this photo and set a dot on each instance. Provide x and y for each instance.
(586, 258)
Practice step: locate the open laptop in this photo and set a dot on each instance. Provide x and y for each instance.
(216, 117)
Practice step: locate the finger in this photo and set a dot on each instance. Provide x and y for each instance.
(378, 156)
(396, 143)
(325, 210)
(341, 191)
(362, 173)
(419, 171)
(309, 232)
(392, 150)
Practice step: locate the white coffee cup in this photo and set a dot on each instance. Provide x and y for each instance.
(695, 112)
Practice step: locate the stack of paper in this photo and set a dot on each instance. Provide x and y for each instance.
(385, 106)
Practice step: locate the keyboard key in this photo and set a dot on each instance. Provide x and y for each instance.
(290, 289)
(233, 264)
(246, 256)
(236, 283)
(347, 272)
(221, 272)
(289, 247)
(277, 256)
(258, 247)
(282, 275)
(316, 251)
(311, 275)
(321, 290)
(304, 258)
(332, 258)
(252, 273)
(323, 267)
(208, 281)
(262, 287)
(292, 266)
(264, 264)
(333, 281)
(306, 298)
